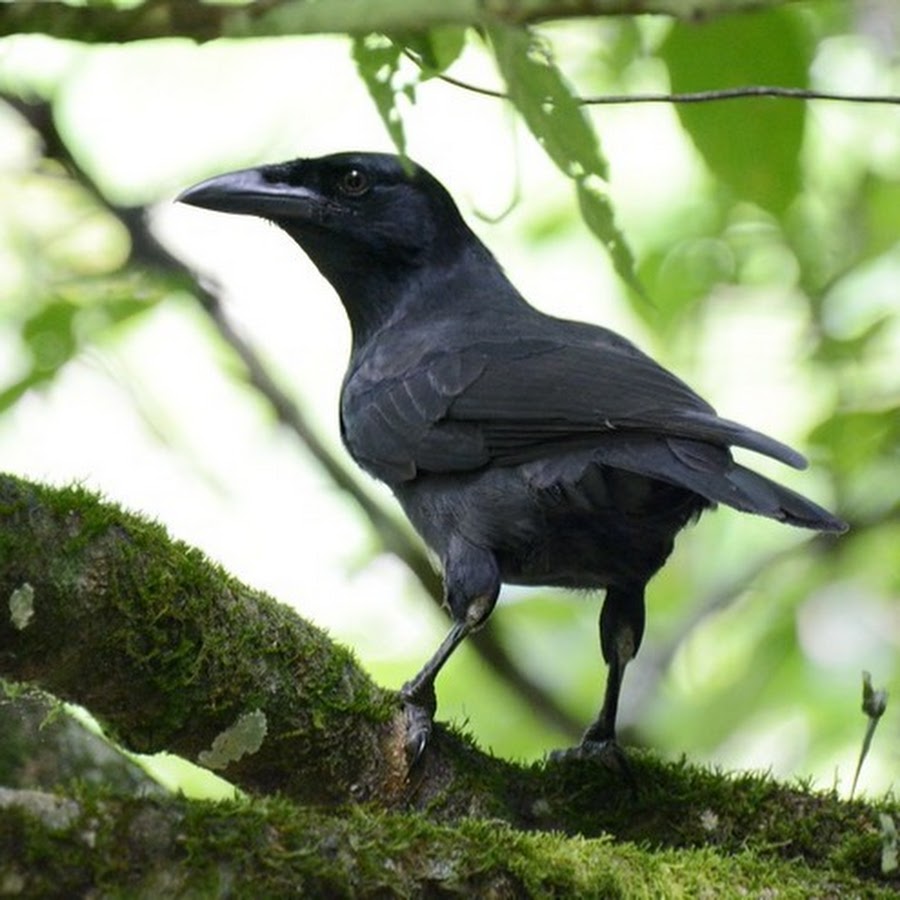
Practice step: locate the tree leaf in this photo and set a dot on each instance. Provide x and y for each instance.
(377, 60)
(856, 438)
(751, 144)
(680, 275)
(537, 89)
(437, 49)
(558, 121)
(597, 212)
(880, 201)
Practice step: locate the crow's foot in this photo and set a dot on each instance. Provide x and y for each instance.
(419, 704)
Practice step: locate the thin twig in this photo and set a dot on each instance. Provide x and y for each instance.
(710, 96)
(737, 93)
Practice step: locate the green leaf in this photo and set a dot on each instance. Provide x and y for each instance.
(377, 60)
(51, 340)
(598, 215)
(856, 347)
(50, 336)
(856, 439)
(557, 119)
(437, 49)
(537, 89)
(751, 144)
(10, 395)
(881, 210)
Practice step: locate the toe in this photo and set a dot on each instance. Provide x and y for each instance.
(418, 731)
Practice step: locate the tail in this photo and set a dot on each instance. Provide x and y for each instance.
(708, 427)
(750, 492)
(711, 471)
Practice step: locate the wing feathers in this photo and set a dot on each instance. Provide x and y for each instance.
(515, 400)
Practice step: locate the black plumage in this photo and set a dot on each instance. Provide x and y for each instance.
(524, 448)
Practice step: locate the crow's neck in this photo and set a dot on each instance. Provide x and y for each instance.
(377, 290)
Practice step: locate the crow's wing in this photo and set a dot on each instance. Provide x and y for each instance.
(511, 401)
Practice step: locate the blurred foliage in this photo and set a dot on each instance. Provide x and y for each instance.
(66, 285)
(736, 138)
(757, 635)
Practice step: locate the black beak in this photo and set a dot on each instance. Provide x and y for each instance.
(250, 192)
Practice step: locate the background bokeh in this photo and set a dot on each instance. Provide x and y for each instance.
(765, 235)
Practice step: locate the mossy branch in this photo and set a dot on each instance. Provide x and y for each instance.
(61, 836)
(270, 848)
(169, 652)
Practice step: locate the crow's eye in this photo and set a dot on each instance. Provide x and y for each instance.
(354, 183)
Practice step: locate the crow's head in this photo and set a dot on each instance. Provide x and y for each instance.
(383, 233)
(345, 210)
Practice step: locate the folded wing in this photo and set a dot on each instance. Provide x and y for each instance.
(510, 401)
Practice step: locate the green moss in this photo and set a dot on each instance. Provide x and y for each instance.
(683, 807)
(273, 847)
(361, 852)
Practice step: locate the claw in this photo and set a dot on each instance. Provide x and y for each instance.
(418, 731)
(418, 695)
(419, 704)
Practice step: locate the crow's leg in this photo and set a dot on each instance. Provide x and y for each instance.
(471, 585)
(419, 699)
(621, 630)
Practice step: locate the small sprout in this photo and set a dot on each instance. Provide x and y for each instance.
(245, 736)
(874, 704)
(21, 606)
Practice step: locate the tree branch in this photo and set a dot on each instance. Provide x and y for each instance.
(46, 748)
(102, 23)
(120, 846)
(170, 652)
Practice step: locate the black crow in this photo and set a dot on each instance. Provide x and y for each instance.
(524, 448)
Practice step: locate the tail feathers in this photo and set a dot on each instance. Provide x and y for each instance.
(750, 492)
(710, 428)
(710, 471)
